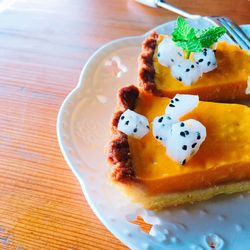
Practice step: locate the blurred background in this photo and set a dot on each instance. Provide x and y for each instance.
(43, 47)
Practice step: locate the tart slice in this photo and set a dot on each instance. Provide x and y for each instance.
(223, 80)
(141, 166)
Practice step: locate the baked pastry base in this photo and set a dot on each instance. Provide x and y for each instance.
(164, 200)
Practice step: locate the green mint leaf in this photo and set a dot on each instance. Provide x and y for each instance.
(210, 35)
(193, 40)
(198, 32)
(183, 31)
(190, 46)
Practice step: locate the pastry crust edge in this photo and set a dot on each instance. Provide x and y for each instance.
(146, 65)
(118, 152)
(164, 200)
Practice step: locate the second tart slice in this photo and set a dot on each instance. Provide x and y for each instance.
(226, 83)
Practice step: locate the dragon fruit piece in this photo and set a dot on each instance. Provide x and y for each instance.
(181, 105)
(162, 126)
(186, 71)
(134, 124)
(169, 53)
(206, 60)
(185, 140)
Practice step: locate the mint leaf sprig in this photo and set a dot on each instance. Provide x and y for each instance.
(193, 40)
(210, 35)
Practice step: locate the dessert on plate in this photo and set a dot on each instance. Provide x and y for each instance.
(169, 145)
(164, 152)
(222, 75)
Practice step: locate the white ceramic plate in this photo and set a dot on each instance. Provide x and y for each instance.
(83, 131)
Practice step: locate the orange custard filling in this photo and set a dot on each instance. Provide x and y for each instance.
(223, 157)
(227, 82)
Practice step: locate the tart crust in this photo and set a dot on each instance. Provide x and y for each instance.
(118, 151)
(161, 201)
(146, 64)
(123, 171)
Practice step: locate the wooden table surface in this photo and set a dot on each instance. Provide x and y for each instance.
(43, 46)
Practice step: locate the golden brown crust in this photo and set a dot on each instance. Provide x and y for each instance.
(115, 119)
(119, 157)
(118, 152)
(127, 97)
(146, 64)
(164, 200)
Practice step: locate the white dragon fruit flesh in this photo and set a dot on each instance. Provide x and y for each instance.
(206, 60)
(134, 124)
(181, 104)
(185, 140)
(169, 53)
(186, 71)
(162, 126)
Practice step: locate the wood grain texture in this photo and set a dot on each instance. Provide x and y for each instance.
(43, 46)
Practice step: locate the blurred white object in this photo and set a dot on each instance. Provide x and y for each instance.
(149, 3)
(6, 4)
(159, 3)
(234, 32)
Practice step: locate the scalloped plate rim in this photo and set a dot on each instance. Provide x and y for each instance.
(74, 169)
(79, 86)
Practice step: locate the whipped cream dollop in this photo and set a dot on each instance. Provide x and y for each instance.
(133, 124)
